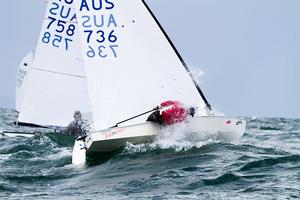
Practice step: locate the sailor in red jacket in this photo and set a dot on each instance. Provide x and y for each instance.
(174, 112)
(171, 112)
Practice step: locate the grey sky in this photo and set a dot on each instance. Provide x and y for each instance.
(248, 49)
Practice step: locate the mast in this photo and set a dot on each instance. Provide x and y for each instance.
(178, 55)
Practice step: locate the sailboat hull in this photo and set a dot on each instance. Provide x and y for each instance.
(220, 128)
(4, 133)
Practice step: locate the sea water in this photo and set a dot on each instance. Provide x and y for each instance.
(263, 164)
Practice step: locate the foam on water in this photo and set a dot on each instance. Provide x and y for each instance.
(176, 138)
(56, 154)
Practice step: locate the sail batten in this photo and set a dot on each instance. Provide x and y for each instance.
(59, 73)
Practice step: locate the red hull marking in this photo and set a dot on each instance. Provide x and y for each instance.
(112, 133)
(228, 122)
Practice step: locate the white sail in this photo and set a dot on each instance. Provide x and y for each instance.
(56, 83)
(130, 65)
(22, 78)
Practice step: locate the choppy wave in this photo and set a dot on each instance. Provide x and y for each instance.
(264, 164)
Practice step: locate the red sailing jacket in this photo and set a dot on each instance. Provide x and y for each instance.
(175, 114)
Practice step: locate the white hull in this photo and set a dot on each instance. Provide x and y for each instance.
(221, 128)
(15, 134)
(112, 139)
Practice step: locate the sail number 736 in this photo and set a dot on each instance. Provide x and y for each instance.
(107, 40)
(100, 36)
(102, 51)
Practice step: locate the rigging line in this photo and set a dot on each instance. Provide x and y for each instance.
(60, 73)
(178, 54)
(139, 115)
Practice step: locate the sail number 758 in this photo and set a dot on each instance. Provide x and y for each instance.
(108, 45)
(56, 40)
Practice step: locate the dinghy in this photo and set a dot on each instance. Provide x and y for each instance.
(222, 128)
(131, 64)
(51, 82)
(111, 60)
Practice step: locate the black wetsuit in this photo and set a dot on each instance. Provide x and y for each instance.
(156, 117)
